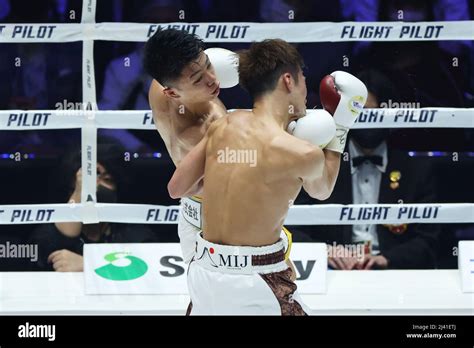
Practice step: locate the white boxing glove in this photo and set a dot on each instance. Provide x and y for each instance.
(226, 66)
(317, 127)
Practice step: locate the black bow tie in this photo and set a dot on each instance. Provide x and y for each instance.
(357, 161)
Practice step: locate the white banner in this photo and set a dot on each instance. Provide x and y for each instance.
(130, 119)
(466, 265)
(134, 269)
(311, 265)
(243, 31)
(158, 268)
(324, 214)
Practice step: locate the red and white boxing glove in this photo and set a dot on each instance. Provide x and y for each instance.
(317, 127)
(344, 96)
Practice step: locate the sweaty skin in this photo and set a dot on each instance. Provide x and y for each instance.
(235, 193)
(183, 118)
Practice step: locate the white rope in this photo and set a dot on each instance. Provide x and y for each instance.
(89, 120)
(327, 214)
(416, 118)
(132, 119)
(241, 31)
(89, 129)
(88, 11)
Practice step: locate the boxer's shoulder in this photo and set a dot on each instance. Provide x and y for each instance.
(294, 152)
(240, 116)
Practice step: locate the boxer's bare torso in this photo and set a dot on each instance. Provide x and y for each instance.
(246, 203)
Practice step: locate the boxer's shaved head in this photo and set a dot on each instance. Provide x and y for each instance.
(264, 62)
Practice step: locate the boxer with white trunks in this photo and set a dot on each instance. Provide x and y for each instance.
(239, 265)
(184, 100)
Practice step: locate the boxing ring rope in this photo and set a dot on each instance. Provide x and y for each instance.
(241, 32)
(143, 119)
(90, 119)
(324, 214)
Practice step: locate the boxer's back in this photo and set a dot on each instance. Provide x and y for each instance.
(251, 179)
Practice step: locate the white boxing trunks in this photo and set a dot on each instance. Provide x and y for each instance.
(233, 280)
(190, 225)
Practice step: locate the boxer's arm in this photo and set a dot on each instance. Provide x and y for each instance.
(189, 172)
(322, 187)
(318, 170)
(161, 116)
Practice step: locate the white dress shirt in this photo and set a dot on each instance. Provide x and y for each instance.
(366, 180)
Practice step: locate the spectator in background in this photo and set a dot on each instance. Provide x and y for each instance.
(40, 74)
(311, 11)
(409, 11)
(126, 84)
(422, 70)
(37, 75)
(377, 174)
(60, 245)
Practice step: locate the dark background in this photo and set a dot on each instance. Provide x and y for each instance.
(50, 73)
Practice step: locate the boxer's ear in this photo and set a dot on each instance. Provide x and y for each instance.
(170, 92)
(288, 82)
